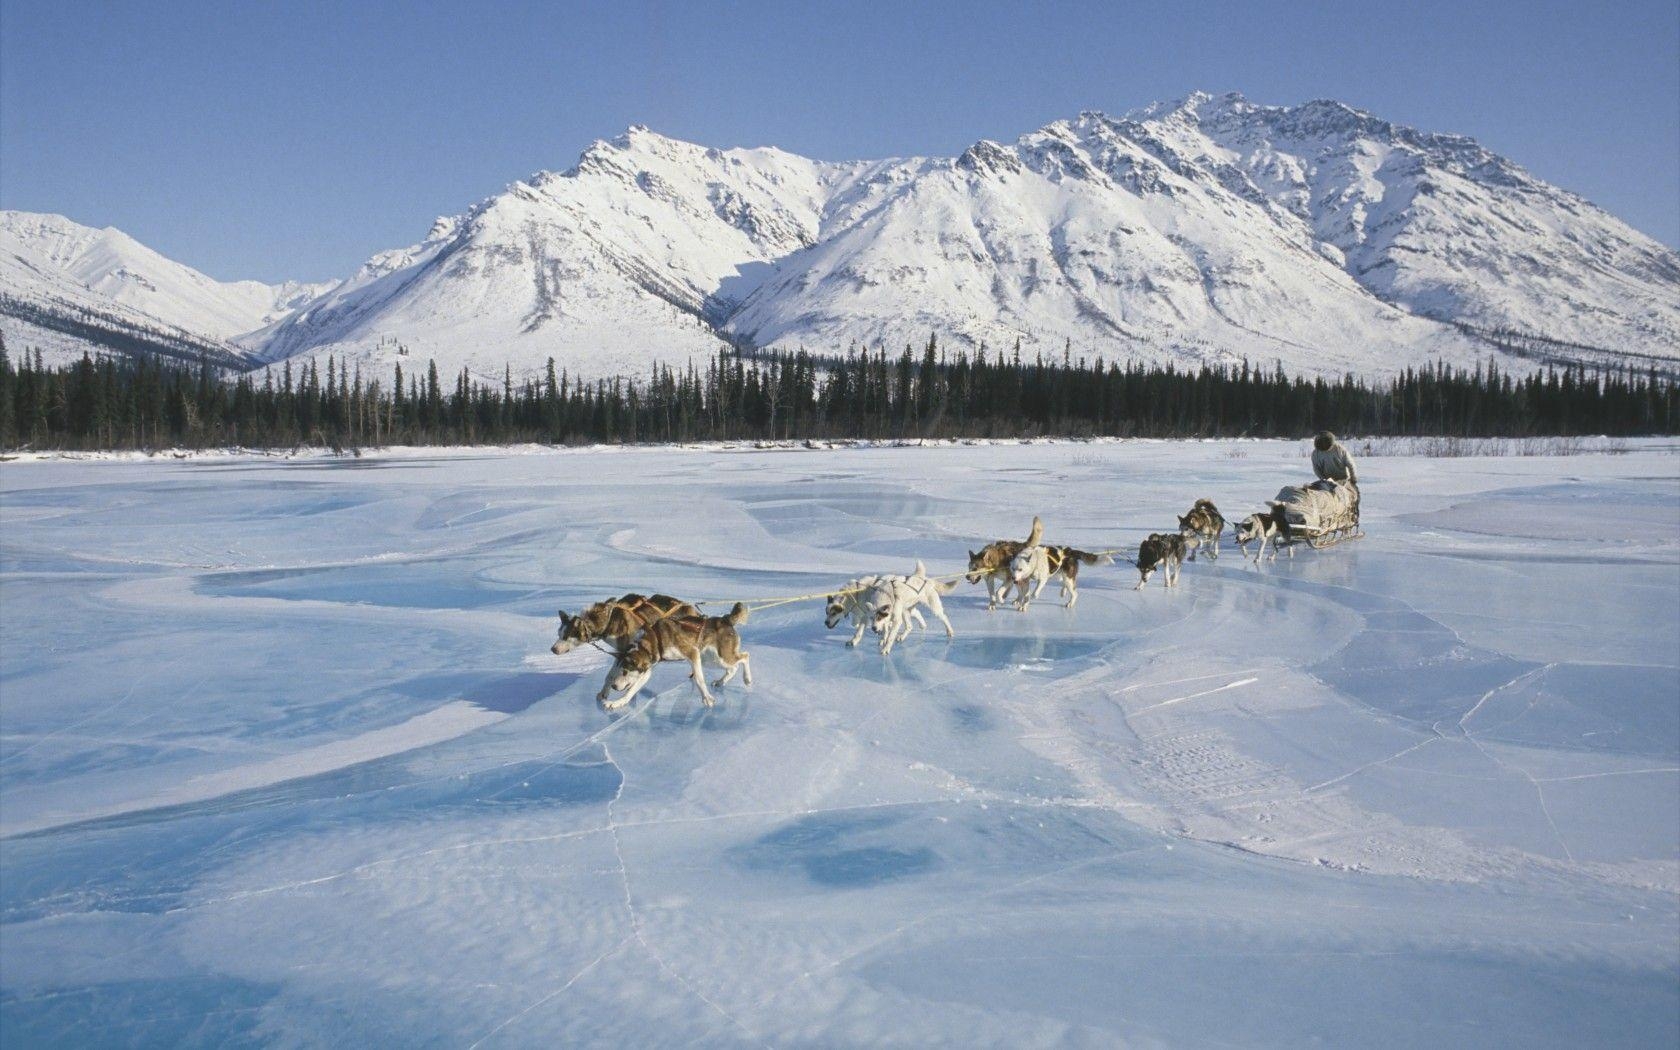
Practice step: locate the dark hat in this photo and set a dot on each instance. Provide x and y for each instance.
(1324, 440)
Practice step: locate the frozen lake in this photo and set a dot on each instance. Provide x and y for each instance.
(284, 758)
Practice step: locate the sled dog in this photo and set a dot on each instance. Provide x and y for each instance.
(1263, 527)
(1164, 551)
(1202, 526)
(616, 621)
(991, 564)
(1033, 566)
(852, 602)
(896, 599)
(682, 638)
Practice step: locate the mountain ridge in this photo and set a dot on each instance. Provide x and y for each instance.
(1206, 229)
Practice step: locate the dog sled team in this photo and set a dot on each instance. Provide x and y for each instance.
(1320, 514)
(642, 631)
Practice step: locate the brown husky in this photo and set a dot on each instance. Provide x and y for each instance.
(991, 564)
(683, 638)
(1202, 527)
(616, 621)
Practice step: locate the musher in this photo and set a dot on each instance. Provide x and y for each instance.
(1334, 466)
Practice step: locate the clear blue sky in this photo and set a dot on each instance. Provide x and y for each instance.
(275, 140)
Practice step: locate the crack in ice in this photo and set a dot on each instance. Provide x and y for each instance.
(636, 918)
(614, 950)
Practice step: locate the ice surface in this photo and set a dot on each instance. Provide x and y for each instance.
(284, 758)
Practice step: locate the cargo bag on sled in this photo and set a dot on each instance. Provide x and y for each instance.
(1316, 510)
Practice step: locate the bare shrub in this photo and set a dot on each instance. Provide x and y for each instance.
(1448, 447)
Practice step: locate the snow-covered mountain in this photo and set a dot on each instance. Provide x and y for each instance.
(1436, 224)
(57, 277)
(627, 258)
(1205, 229)
(1317, 235)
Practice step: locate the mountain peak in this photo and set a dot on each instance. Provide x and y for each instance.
(989, 158)
(641, 137)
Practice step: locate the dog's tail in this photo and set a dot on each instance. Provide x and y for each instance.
(946, 586)
(921, 570)
(1087, 558)
(1037, 532)
(737, 615)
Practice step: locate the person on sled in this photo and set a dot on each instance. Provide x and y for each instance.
(1334, 466)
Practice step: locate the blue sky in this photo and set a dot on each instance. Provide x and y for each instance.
(274, 140)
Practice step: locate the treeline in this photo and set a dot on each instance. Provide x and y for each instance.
(113, 402)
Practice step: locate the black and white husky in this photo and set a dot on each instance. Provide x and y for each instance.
(1164, 551)
(1266, 526)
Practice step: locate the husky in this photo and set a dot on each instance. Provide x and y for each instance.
(897, 598)
(616, 621)
(1035, 565)
(1202, 526)
(1264, 526)
(682, 638)
(1164, 551)
(851, 602)
(991, 564)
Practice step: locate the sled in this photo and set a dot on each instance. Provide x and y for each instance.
(1321, 516)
